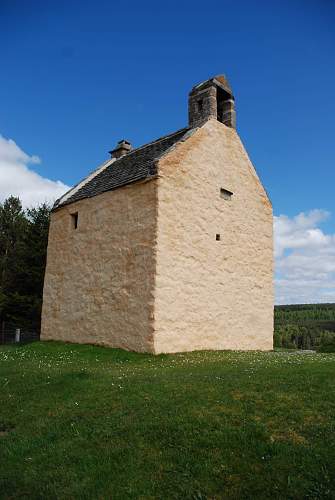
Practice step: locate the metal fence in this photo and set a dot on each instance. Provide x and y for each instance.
(10, 334)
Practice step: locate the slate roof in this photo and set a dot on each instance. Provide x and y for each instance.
(139, 164)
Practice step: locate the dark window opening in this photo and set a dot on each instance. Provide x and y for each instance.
(225, 194)
(74, 218)
(221, 97)
(200, 105)
(218, 237)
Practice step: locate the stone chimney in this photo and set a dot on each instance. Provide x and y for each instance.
(123, 147)
(212, 99)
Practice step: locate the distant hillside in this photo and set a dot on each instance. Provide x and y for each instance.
(304, 325)
(322, 315)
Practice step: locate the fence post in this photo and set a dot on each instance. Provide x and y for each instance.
(17, 335)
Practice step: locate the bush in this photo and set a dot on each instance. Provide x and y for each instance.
(276, 339)
(327, 342)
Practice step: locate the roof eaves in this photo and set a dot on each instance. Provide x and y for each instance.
(140, 178)
(80, 184)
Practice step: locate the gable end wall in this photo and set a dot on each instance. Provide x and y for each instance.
(212, 294)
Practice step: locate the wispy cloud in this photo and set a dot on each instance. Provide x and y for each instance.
(305, 259)
(18, 178)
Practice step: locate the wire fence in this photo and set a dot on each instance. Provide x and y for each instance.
(11, 334)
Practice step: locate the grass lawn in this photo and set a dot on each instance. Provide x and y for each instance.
(88, 422)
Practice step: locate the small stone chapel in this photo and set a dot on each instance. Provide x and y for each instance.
(167, 247)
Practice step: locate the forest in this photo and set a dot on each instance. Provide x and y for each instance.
(23, 248)
(305, 326)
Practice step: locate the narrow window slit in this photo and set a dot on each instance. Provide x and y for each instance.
(225, 194)
(74, 219)
(218, 237)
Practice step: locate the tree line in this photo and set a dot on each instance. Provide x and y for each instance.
(305, 326)
(23, 246)
(305, 312)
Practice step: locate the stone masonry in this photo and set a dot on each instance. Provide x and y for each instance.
(167, 247)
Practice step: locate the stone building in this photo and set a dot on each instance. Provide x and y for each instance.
(166, 247)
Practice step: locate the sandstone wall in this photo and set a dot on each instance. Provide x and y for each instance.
(212, 294)
(100, 277)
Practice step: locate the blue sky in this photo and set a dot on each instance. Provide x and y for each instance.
(77, 76)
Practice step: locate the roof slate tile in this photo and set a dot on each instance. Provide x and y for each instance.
(139, 164)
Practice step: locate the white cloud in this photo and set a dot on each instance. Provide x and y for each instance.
(18, 179)
(305, 259)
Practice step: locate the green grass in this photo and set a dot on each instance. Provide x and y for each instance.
(93, 423)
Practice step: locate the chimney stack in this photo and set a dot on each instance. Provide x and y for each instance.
(212, 99)
(123, 147)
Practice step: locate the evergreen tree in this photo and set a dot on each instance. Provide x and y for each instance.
(35, 258)
(23, 244)
(13, 225)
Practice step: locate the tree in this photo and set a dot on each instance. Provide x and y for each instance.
(13, 225)
(35, 258)
(23, 244)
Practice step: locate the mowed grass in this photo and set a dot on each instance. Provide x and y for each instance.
(89, 422)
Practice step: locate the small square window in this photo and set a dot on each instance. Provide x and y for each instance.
(218, 237)
(225, 194)
(200, 105)
(74, 220)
